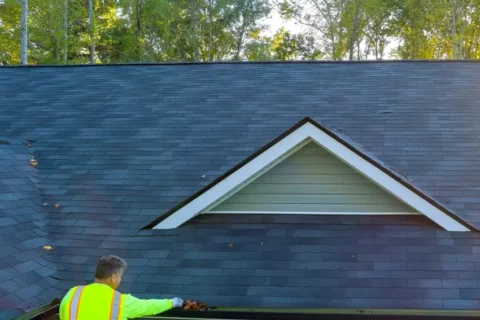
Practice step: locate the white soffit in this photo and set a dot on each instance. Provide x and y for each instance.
(286, 146)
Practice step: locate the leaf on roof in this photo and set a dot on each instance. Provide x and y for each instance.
(56, 205)
(33, 162)
(204, 176)
(194, 305)
(47, 248)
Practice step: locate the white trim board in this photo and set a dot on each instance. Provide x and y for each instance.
(307, 131)
(319, 213)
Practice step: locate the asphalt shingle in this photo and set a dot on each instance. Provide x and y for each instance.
(113, 168)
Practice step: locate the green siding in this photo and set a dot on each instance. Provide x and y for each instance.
(312, 180)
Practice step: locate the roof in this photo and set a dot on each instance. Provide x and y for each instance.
(118, 146)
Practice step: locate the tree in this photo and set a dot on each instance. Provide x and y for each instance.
(471, 30)
(283, 46)
(65, 32)
(410, 22)
(46, 31)
(454, 27)
(378, 30)
(248, 16)
(24, 45)
(186, 30)
(92, 30)
(10, 12)
(432, 29)
(116, 31)
(325, 19)
(458, 21)
(354, 34)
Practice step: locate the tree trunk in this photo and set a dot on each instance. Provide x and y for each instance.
(193, 30)
(92, 32)
(240, 42)
(460, 41)
(210, 40)
(454, 28)
(56, 51)
(138, 10)
(359, 55)
(24, 40)
(139, 28)
(353, 36)
(244, 9)
(65, 32)
(334, 53)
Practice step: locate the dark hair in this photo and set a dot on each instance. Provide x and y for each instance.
(109, 265)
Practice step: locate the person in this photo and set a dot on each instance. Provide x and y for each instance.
(101, 301)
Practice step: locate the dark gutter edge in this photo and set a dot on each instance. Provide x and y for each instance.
(41, 312)
(332, 135)
(314, 314)
(386, 311)
(52, 308)
(236, 62)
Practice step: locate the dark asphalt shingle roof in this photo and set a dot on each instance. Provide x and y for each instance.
(118, 145)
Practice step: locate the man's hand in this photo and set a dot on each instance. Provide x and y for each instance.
(177, 302)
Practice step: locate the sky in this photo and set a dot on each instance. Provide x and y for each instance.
(276, 22)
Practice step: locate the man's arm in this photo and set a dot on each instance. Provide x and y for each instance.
(134, 307)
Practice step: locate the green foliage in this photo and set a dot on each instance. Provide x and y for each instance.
(424, 29)
(379, 30)
(10, 32)
(325, 18)
(283, 46)
(219, 30)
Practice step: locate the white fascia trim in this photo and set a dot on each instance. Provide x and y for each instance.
(308, 131)
(318, 213)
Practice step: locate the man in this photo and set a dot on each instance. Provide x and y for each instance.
(101, 301)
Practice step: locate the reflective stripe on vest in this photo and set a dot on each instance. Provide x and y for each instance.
(75, 303)
(115, 307)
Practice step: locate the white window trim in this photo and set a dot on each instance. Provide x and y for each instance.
(307, 132)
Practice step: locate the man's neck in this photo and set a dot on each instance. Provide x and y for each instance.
(100, 281)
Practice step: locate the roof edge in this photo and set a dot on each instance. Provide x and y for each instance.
(336, 137)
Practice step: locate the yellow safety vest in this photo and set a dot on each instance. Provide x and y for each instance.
(94, 301)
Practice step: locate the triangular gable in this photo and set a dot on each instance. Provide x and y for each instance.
(304, 132)
(312, 181)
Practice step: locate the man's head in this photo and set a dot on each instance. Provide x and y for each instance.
(110, 270)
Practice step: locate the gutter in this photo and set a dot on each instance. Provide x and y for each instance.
(50, 312)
